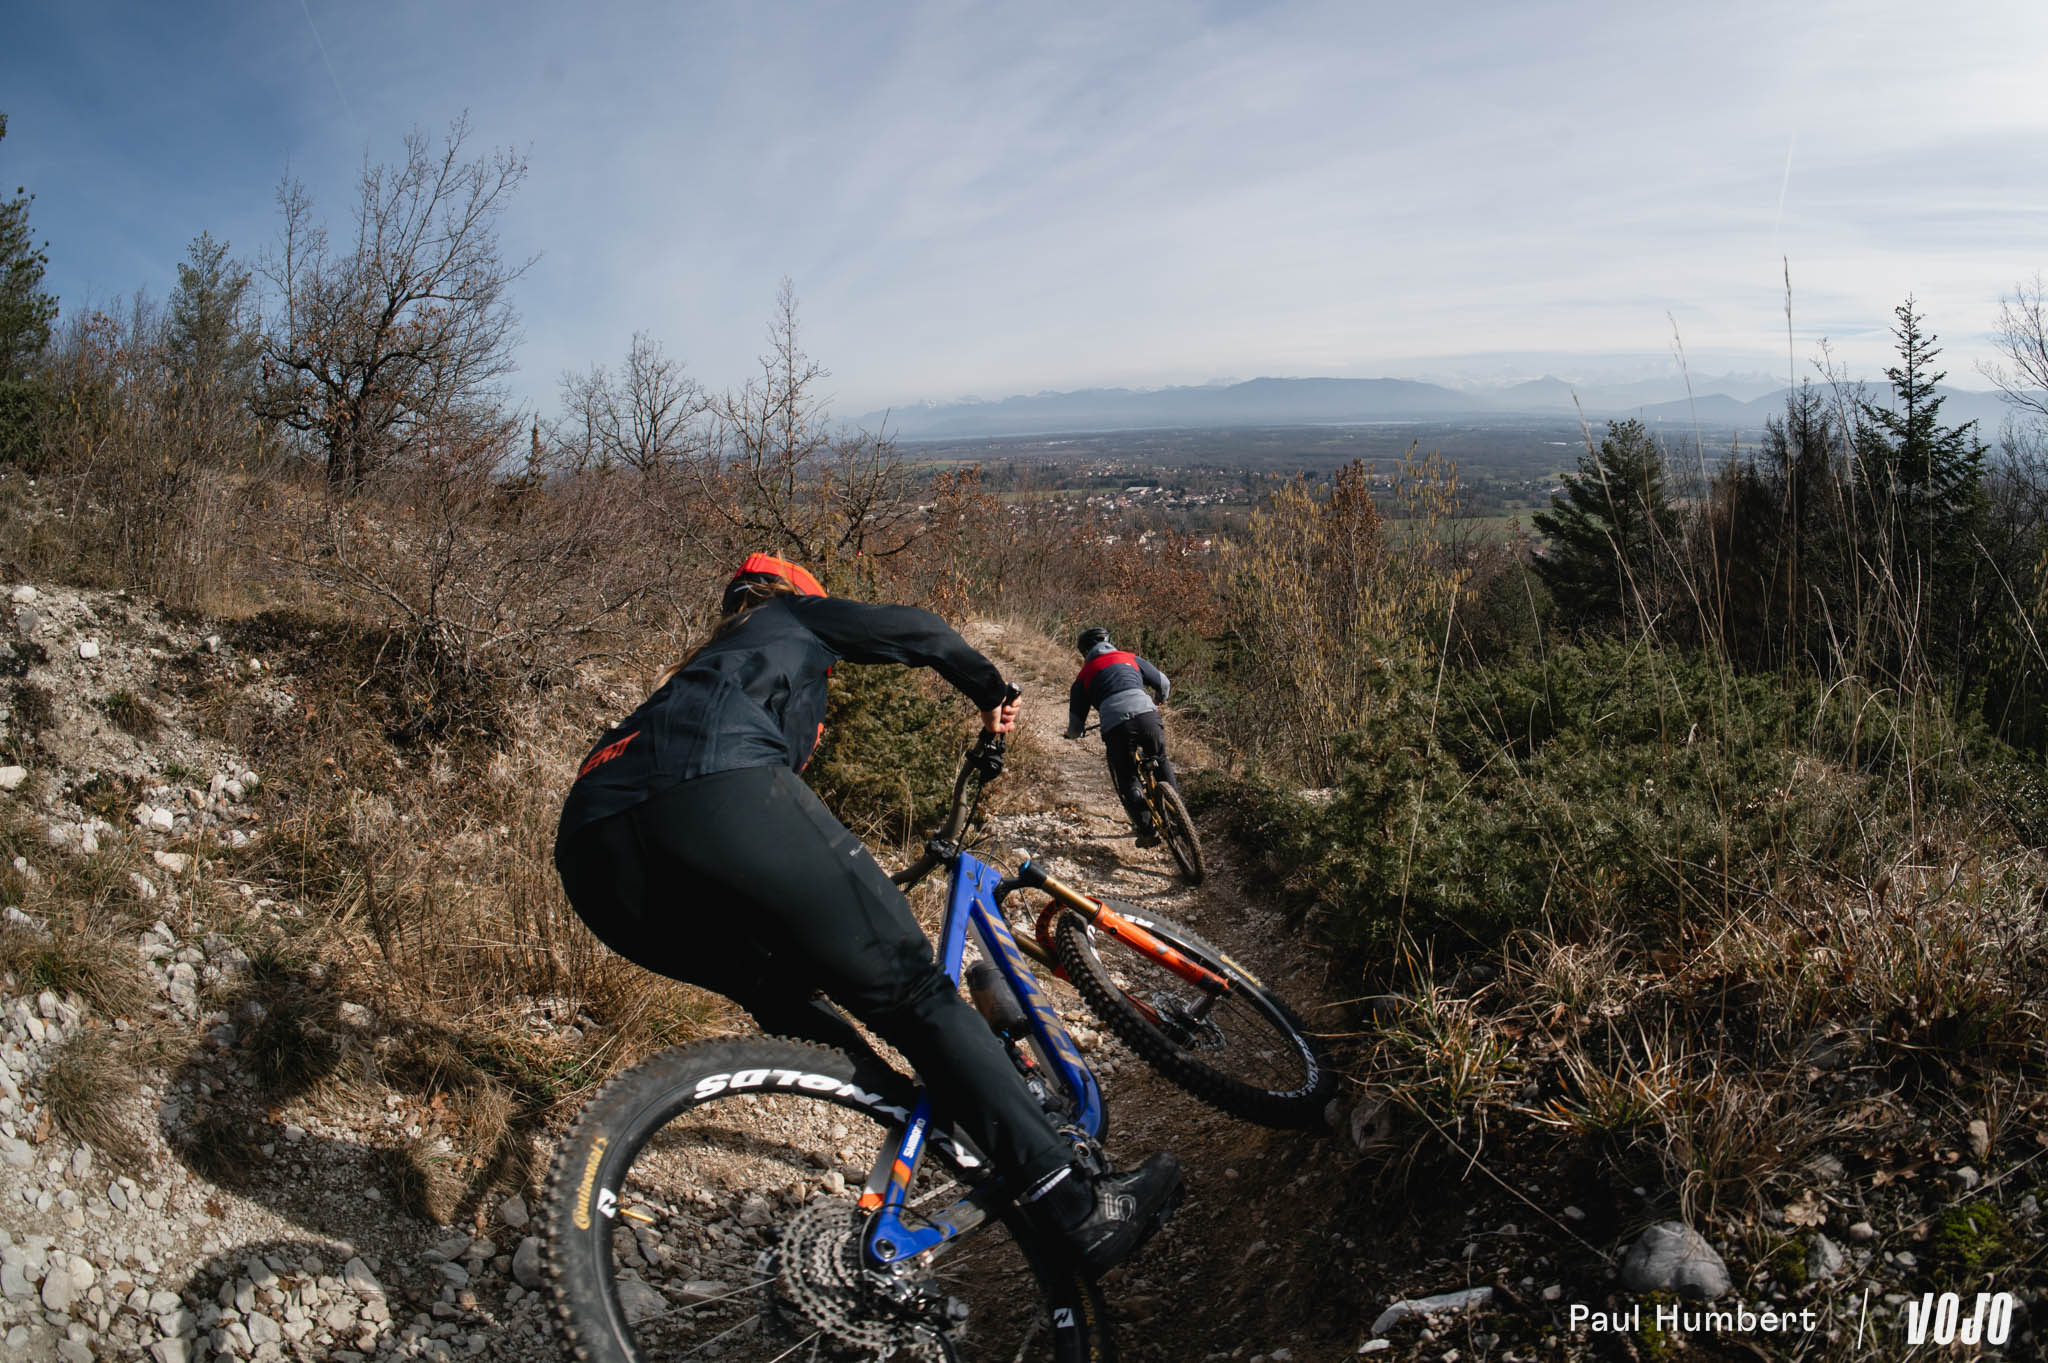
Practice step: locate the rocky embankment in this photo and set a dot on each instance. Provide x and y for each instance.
(127, 1010)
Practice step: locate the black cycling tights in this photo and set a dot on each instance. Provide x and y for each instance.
(744, 883)
(1140, 734)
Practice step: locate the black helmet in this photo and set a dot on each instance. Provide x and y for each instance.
(1091, 637)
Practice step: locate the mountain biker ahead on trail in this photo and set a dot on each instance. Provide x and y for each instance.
(1114, 684)
(690, 846)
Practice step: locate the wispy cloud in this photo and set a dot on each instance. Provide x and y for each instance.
(984, 198)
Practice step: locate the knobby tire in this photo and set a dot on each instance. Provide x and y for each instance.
(1275, 1073)
(679, 1175)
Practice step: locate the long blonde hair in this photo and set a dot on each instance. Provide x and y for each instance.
(758, 594)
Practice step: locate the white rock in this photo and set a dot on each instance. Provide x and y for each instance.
(1672, 1257)
(162, 820)
(639, 1301)
(704, 1289)
(184, 987)
(12, 777)
(1467, 1300)
(352, 1015)
(175, 862)
(145, 888)
(24, 595)
(360, 1280)
(88, 840)
(57, 1290)
(88, 648)
(1824, 1259)
(169, 1351)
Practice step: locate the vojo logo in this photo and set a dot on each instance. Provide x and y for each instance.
(1941, 1319)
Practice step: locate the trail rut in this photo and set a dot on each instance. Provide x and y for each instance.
(1232, 1274)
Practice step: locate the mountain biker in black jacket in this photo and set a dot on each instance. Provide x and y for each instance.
(691, 847)
(1114, 684)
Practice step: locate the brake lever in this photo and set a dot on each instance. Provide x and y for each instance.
(986, 756)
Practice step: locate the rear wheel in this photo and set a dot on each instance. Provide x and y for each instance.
(704, 1206)
(1246, 1053)
(1177, 829)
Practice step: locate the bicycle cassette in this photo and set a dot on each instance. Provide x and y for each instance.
(882, 1313)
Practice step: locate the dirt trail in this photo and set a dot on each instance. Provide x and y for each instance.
(1233, 1274)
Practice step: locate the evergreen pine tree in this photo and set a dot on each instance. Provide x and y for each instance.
(26, 312)
(1610, 532)
(1779, 532)
(1921, 498)
(213, 341)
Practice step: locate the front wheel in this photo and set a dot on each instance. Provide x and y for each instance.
(1246, 1053)
(704, 1205)
(1177, 830)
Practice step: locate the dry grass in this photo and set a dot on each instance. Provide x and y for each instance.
(94, 966)
(1821, 1022)
(132, 715)
(90, 1090)
(431, 872)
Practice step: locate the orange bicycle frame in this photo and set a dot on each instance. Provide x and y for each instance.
(1100, 916)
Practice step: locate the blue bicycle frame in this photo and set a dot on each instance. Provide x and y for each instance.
(971, 907)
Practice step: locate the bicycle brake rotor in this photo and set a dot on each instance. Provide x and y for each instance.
(1185, 1030)
(822, 1275)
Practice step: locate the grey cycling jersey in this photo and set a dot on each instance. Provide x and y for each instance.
(1114, 683)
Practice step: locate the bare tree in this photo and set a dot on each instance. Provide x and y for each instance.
(2022, 338)
(779, 475)
(380, 350)
(646, 418)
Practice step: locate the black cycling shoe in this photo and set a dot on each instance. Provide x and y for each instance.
(1129, 1209)
(1148, 837)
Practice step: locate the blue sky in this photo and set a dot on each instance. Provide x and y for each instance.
(991, 199)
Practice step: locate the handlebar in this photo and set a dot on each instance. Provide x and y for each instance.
(982, 764)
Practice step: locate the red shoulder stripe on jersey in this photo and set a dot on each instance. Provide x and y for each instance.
(1102, 660)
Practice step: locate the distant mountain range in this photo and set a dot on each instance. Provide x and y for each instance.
(1730, 401)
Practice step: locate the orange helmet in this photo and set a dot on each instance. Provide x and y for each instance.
(760, 568)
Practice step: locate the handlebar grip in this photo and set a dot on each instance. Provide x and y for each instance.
(1011, 693)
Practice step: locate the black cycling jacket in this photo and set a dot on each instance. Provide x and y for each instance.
(755, 697)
